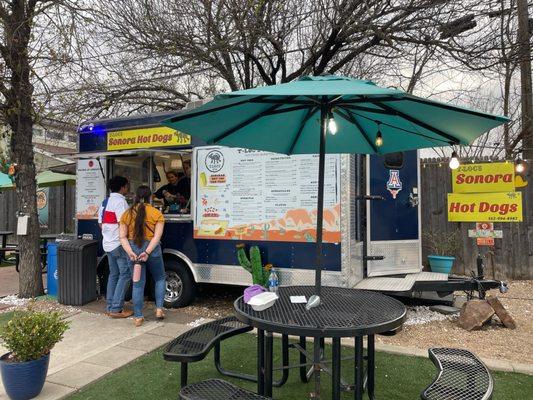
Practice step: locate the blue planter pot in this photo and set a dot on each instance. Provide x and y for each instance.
(442, 264)
(24, 380)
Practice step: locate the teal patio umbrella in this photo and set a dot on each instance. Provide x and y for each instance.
(361, 117)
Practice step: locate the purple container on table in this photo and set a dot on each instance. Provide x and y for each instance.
(252, 291)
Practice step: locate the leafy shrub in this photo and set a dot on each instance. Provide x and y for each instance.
(29, 335)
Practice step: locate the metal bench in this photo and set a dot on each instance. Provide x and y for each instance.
(461, 376)
(195, 344)
(217, 389)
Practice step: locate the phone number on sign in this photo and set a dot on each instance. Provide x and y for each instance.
(504, 219)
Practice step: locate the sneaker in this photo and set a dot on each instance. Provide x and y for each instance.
(122, 314)
(159, 314)
(138, 321)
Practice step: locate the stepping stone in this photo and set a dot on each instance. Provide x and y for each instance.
(446, 310)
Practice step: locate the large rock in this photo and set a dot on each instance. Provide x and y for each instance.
(501, 312)
(474, 314)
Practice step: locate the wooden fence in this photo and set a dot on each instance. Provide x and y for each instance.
(58, 198)
(510, 258)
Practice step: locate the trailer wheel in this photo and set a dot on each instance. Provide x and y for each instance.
(180, 287)
(102, 274)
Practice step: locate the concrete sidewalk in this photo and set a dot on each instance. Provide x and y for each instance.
(94, 346)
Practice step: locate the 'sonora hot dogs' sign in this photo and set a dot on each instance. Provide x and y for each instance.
(484, 193)
(492, 207)
(160, 136)
(484, 178)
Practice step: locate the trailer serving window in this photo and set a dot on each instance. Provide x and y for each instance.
(167, 173)
(172, 182)
(134, 167)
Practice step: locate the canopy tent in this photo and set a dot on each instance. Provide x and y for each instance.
(48, 179)
(44, 179)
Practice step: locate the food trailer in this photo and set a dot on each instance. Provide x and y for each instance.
(372, 233)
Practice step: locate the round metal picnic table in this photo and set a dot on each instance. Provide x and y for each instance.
(342, 313)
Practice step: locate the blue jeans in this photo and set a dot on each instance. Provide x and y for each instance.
(157, 270)
(119, 279)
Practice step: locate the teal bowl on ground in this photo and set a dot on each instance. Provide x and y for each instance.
(442, 264)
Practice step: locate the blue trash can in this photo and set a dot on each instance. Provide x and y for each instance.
(51, 267)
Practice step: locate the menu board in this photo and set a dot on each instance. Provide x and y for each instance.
(90, 188)
(245, 194)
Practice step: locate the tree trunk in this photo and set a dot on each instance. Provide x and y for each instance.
(527, 113)
(525, 79)
(20, 119)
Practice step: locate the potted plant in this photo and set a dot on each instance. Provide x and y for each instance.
(29, 336)
(442, 248)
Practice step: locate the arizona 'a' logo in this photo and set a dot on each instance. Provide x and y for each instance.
(394, 185)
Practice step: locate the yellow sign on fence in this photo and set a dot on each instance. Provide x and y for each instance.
(484, 178)
(492, 207)
(160, 136)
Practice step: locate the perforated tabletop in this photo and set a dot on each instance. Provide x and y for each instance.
(342, 313)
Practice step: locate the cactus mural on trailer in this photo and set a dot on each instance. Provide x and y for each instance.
(253, 264)
(266, 228)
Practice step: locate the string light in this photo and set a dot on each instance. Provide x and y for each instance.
(519, 166)
(454, 161)
(439, 161)
(379, 137)
(332, 125)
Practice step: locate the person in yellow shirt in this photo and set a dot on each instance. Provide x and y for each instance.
(141, 227)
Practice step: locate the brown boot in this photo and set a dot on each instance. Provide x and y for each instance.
(159, 314)
(122, 314)
(138, 321)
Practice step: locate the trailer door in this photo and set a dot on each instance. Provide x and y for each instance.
(394, 223)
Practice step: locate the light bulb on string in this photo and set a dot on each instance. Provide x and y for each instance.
(332, 125)
(454, 161)
(379, 137)
(519, 166)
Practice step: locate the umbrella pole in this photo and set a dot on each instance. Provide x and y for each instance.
(320, 205)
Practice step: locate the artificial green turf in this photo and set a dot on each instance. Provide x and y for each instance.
(397, 377)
